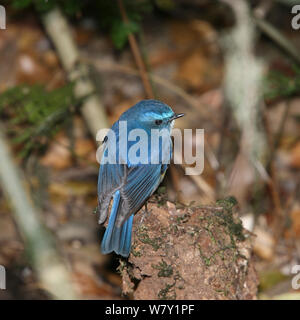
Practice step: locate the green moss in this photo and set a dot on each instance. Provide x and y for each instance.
(226, 219)
(161, 202)
(237, 230)
(211, 235)
(181, 219)
(135, 252)
(177, 277)
(166, 293)
(227, 203)
(278, 84)
(34, 115)
(223, 291)
(144, 238)
(122, 266)
(160, 197)
(165, 270)
(219, 240)
(173, 228)
(206, 260)
(161, 190)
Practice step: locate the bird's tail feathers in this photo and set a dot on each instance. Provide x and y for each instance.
(117, 239)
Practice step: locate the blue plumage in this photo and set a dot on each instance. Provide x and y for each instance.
(117, 239)
(131, 183)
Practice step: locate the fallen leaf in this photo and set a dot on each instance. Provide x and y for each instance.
(294, 230)
(58, 156)
(295, 156)
(264, 243)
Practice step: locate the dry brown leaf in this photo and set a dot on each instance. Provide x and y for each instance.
(199, 72)
(89, 287)
(58, 156)
(264, 243)
(294, 230)
(295, 156)
(31, 70)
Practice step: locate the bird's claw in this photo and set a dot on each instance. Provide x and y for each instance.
(144, 214)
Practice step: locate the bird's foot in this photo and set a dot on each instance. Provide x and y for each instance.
(145, 213)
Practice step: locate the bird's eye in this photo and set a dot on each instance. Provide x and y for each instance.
(158, 122)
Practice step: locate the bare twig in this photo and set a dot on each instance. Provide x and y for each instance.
(137, 54)
(292, 198)
(280, 131)
(175, 180)
(278, 38)
(157, 79)
(53, 275)
(288, 2)
(202, 185)
(273, 184)
(262, 9)
(278, 135)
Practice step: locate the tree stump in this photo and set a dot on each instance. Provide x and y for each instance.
(189, 253)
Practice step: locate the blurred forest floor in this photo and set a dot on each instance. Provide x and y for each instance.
(183, 52)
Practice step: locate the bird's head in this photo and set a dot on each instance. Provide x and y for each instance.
(151, 114)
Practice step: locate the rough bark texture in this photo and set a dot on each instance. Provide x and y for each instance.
(190, 253)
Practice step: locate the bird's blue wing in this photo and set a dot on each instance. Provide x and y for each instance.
(110, 176)
(141, 181)
(110, 179)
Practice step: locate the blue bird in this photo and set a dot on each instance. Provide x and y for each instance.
(130, 183)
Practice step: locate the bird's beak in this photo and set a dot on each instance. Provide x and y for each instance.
(176, 116)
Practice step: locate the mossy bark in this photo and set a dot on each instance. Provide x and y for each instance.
(190, 253)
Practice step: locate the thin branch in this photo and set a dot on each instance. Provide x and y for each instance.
(175, 180)
(280, 131)
(262, 9)
(288, 2)
(273, 183)
(202, 185)
(157, 79)
(137, 54)
(278, 37)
